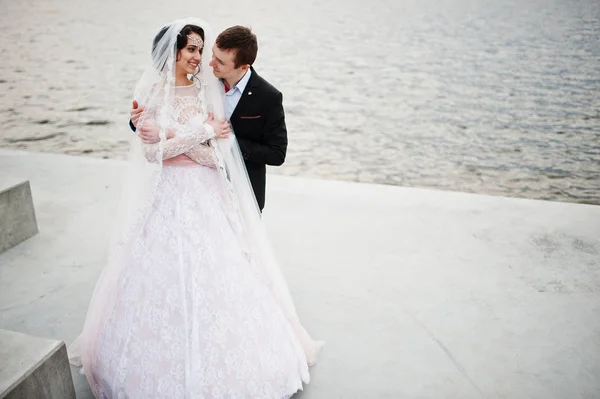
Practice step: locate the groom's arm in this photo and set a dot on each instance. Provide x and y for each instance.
(273, 148)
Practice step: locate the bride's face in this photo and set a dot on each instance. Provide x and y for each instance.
(189, 57)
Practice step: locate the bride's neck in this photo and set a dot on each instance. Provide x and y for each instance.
(182, 80)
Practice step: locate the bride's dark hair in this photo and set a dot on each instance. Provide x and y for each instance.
(181, 38)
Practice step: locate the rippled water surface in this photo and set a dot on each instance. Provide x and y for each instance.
(499, 97)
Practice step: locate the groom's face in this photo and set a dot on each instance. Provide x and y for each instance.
(223, 63)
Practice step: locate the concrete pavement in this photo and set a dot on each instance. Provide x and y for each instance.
(418, 293)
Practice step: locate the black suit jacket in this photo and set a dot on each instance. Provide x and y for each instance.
(258, 122)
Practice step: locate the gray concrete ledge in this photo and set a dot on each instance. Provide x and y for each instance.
(17, 216)
(32, 368)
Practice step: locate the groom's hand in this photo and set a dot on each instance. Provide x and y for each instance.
(135, 113)
(149, 134)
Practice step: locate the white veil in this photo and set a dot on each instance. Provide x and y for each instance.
(246, 219)
(154, 91)
(245, 216)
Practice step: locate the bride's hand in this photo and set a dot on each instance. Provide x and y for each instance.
(221, 127)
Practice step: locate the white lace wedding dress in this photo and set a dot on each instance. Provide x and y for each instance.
(189, 318)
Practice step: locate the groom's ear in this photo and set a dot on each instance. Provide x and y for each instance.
(245, 67)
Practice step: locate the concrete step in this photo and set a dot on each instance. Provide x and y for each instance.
(32, 367)
(17, 215)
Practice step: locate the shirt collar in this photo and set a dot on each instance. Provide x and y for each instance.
(241, 85)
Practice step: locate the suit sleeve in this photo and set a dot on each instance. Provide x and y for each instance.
(272, 149)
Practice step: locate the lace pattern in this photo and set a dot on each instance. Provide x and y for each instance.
(185, 114)
(190, 315)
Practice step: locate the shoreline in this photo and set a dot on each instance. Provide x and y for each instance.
(293, 172)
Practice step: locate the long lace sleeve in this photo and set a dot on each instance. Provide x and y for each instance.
(192, 135)
(203, 154)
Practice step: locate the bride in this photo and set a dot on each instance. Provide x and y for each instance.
(191, 303)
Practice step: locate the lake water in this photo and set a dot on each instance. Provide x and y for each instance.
(498, 97)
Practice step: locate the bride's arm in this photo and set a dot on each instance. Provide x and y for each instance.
(175, 142)
(203, 154)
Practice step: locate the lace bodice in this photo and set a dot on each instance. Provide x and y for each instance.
(186, 103)
(185, 114)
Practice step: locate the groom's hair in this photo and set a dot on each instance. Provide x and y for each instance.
(242, 40)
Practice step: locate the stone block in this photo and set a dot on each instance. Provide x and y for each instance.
(34, 368)
(17, 216)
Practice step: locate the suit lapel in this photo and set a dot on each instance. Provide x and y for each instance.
(246, 96)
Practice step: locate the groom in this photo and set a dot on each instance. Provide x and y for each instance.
(252, 105)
